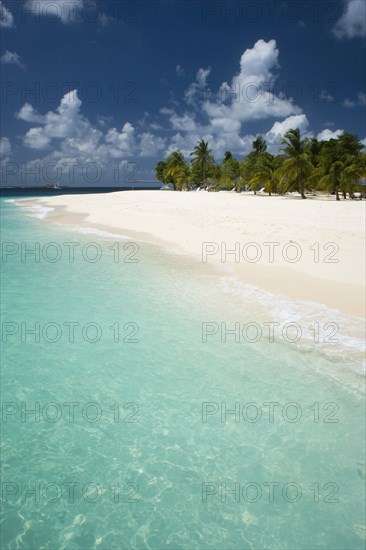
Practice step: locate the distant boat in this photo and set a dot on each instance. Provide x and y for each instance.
(55, 186)
(167, 187)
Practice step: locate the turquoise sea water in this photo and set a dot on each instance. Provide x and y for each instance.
(148, 458)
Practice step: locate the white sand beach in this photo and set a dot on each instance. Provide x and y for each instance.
(331, 272)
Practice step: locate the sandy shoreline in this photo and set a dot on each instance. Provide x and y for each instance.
(246, 224)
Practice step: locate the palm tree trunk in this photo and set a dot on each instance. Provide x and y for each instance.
(337, 194)
(302, 192)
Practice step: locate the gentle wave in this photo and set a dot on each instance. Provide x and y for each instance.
(36, 210)
(98, 232)
(280, 309)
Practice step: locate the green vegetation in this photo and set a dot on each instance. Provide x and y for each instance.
(303, 165)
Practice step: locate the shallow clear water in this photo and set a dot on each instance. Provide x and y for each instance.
(144, 459)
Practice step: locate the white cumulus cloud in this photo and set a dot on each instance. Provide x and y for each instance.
(195, 92)
(327, 134)
(250, 95)
(65, 122)
(6, 17)
(28, 114)
(11, 58)
(185, 122)
(292, 122)
(359, 102)
(352, 23)
(150, 145)
(36, 138)
(121, 144)
(5, 147)
(72, 138)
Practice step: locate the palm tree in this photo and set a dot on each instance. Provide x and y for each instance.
(248, 168)
(296, 170)
(363, 165)
(230, 169)
(352, 175)
(351, 144)
(314, 148)
(177, 169)
(183, 177)
(340, 164)
(259, 145)
(160, 171)
(202, 158)
(332, 169)
(266, 173)
(353, 161)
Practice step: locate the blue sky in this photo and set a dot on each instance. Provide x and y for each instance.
(94, 92)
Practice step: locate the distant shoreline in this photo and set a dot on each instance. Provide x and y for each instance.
(318, 195)
(66, 188)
